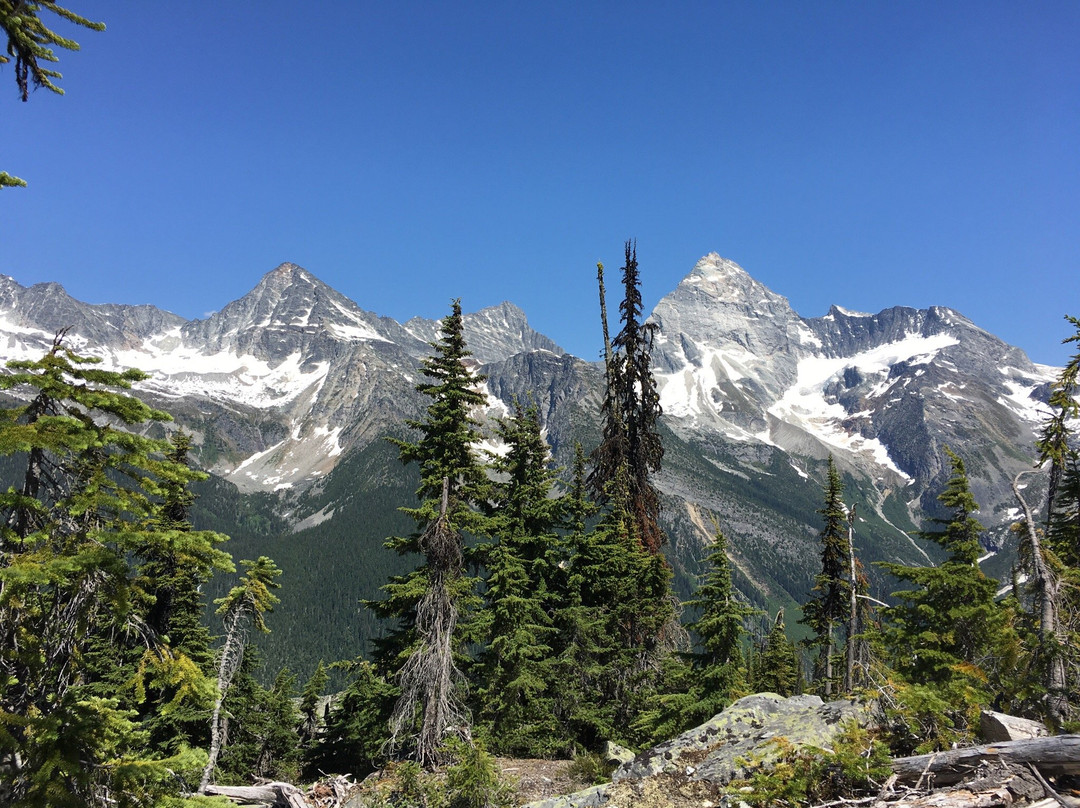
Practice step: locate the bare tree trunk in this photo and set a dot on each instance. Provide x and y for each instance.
(853, 607)
(429, 677)
(603, 320)
(1046, 602)
(231, 655)
(830, 649)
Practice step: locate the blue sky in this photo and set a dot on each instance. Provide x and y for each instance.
(869, 154)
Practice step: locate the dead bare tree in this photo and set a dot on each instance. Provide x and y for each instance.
(242, 607)
(1045, 586)
(429, 679)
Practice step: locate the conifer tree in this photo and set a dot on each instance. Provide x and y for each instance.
(626, 592)
(72, 536)
(419, 649)
(262, 738)
(948, 631)
(720, 629)
(514, 672)
(825, 612)
(444, 450)
(357, 726)
(631, 412)
(777, 668)
(700, 684)
(577, 626)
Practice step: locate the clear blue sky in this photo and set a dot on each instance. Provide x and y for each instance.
(869, 154)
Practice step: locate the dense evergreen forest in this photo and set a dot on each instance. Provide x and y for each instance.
(527, 617)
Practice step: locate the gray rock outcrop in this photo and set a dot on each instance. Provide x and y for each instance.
(717, 751)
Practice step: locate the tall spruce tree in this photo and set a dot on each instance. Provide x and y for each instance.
(948, 631)
(423, 606)
(515, 685)
(631, 412)
(73, 537)
(827, 608)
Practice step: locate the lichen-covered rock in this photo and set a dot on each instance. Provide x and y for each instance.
(589, 798)
(718, 750)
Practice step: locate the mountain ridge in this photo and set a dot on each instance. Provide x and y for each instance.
(282, 386)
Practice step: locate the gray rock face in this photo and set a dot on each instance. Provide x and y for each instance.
(744, 731)
(492, 334)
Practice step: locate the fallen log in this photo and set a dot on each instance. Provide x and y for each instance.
(1054, 756)
(284, 795)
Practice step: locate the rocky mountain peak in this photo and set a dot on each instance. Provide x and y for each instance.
(493, 334)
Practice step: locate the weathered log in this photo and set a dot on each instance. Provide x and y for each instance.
(1056, 755)
(285, 795)
(962, 798)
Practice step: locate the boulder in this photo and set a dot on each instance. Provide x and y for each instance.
(616, 755)
(707, 757)
(717, 750)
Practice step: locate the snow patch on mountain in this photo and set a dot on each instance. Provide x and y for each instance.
(805, 404)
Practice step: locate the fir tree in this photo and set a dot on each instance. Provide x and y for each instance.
(698, 685)
(444, 450)
(720, 629)
(777, 668)
(828, 604)
(514, 673)
(949, 630)
(625, 592)
(631, 412)
(420, 648)
(72, 536)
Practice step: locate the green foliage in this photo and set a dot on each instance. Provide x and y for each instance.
(514, 674)
(923, 718)
(79, 541)
(618, 609)
(693, 691)
(776, 667)
(827, 607)
(30, 42)
(950, 626)
(262, 735)
(473, 781)
(357, 727)
(857, 765)
(442, 452)
(252, 597)
(590, 767)
(630, 448)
